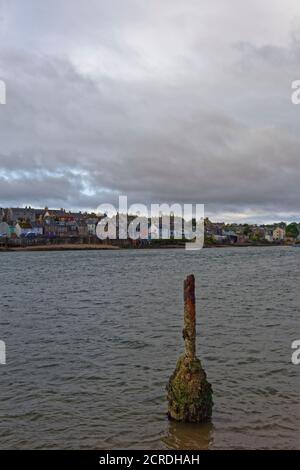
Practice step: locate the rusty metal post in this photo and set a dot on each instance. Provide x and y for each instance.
(189, 393)
(189, 330)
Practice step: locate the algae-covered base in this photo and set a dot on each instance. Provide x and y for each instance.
(189, 392)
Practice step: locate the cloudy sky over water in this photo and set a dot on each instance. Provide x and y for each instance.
(164, 101)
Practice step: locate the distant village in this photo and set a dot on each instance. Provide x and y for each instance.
(28, 226)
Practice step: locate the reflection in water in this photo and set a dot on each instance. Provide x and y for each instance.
(189, 436)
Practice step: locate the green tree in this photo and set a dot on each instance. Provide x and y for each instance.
(255, 237)
(292, 230)
(247, 229)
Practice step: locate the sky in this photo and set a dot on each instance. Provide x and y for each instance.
(173, 101)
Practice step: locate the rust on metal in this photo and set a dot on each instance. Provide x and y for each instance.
(189, 393)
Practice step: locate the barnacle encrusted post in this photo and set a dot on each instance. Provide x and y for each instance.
(189, 392)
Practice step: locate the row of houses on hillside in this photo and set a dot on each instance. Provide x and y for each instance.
(29, 223)
(245, 233)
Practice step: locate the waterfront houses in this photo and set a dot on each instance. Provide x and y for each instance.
(26, 214)
(46, 224)
(4, 230)
(59, 225)
(26, 229)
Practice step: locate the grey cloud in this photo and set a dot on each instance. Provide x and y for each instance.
(178, 123)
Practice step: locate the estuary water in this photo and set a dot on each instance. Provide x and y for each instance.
(93, 336)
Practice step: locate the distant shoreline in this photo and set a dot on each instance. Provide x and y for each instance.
(87, 247)
(62, 247)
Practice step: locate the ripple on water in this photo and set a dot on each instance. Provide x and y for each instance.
(92, 338)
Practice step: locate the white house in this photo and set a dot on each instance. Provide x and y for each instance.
(26, 229)
(269, 236)
(279, 234)
(91, 226)
(22, 229)
(153, 232)
(4, 230)
(219, 238)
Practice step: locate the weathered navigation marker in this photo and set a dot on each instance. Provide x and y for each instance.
(189, 393)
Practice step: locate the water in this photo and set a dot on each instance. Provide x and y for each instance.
(92, 338)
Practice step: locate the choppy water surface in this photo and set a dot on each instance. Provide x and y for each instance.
(92, 338)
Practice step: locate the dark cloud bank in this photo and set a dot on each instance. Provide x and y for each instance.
(162, 101)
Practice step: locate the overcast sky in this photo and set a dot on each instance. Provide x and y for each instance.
(161, 100)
